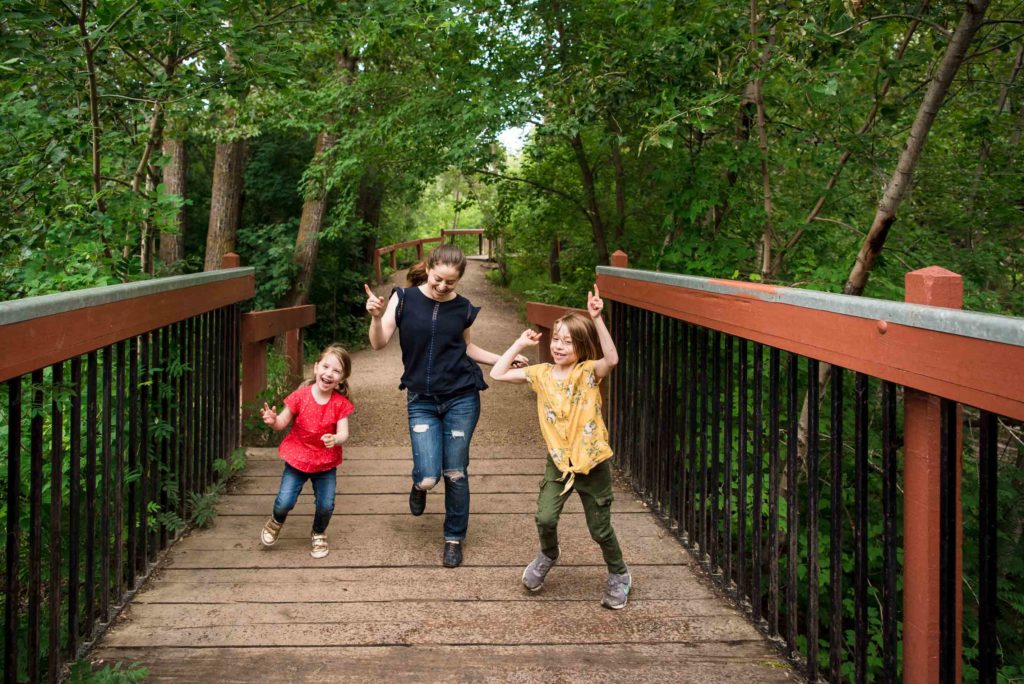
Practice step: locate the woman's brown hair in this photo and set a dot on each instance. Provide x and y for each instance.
(346, 366)
(583, 334)
(449, 255)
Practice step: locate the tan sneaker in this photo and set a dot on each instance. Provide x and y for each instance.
(319, 546)
(270, 532)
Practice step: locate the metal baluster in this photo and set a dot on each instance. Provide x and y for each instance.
(792, 505)
(741, 485)
(702, 528)
(948, 627)
(716, 436)
(56, 509)
(11, 584)
(988, 527)
(145, 390)
(684, 433)
(774, 400)
(836, 518)
(813, 567)
(106, 490)
(90, 495)
(35, 527)
(890, 494)
(860, 488)
(727, 486)
(756, 511)
(119, 564)
(133, 459)
(162, 446)
(74, 506)
(696, 374)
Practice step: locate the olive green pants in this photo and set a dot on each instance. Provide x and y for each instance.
(595, 490)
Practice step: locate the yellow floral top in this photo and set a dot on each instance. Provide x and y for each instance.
(570, 418)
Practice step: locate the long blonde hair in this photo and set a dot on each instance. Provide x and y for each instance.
(449, 255)
(583, 334)
(346, 367)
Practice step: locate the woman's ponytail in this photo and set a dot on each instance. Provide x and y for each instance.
(417, 274)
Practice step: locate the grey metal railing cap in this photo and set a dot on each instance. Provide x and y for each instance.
(47, 305)
(992, 327)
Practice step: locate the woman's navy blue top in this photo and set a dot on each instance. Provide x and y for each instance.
(433, 348)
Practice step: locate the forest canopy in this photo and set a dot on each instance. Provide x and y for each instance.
(774, 142)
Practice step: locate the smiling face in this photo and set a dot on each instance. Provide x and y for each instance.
(563, 351)
(328, 373)
(441, 282)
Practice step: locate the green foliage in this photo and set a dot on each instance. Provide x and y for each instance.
(84, 672)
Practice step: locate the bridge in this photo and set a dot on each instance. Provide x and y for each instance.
(747, 422)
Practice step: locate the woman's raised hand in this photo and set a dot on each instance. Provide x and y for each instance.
(374, 304)
(269, 414)
(595, 305)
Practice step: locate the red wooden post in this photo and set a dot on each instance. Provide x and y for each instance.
(376, 266)
(419, 251)
(230, 260)
(620, 259)
(394, 260)
(923, 426)
(254, 372)
(293, 352)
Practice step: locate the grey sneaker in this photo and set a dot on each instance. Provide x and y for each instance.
(537, 570)
(616, 593)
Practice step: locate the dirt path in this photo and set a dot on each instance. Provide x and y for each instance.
(381, 608)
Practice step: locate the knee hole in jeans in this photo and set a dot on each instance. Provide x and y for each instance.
(454, 475)
(426, 483)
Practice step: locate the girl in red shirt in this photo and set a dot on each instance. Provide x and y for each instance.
(312, 450)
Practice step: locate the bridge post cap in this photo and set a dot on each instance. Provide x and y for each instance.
(620, 259)
(230, 260)
(935, 286)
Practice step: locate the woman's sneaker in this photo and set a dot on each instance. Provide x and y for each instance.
(319, 546)
(616, 592)
(452, 554)
(417, 500)
(270, 532)
(537, 570)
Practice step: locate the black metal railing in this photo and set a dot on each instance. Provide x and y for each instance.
(802, 526)
(98, 471)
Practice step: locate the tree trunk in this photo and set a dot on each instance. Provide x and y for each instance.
(307, 242)
(369, 200)
(869, 122)
(620, 189)
(225, 201)
(899, 184)
(172, 245)
(554, 269)
(755, 97)
(593, 209)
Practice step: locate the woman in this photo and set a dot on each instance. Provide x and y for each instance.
(443, 381)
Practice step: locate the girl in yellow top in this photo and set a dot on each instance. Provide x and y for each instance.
(569, 410)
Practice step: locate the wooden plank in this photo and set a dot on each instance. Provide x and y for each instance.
(688, 661)
(342, 585)
(381, 541)
(263, 325)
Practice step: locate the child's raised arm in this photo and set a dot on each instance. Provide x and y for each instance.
(609, 354)
(503, 370)
(278, 421)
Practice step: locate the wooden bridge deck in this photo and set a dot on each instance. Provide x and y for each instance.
(381, 608)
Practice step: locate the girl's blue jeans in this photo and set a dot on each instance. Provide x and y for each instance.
(440, 428)
(324, 485)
